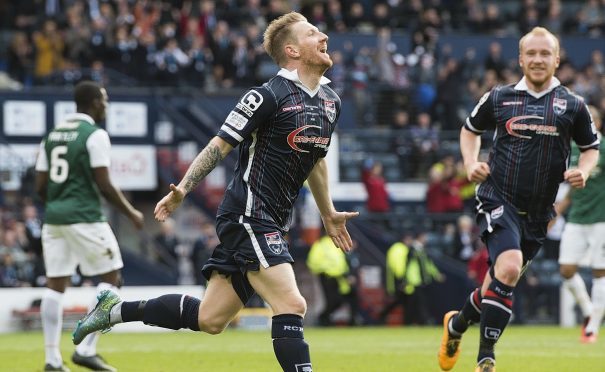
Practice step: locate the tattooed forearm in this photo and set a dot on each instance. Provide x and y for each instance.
(203, 164)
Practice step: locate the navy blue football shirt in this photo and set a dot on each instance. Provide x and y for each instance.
(532, 142)
(283, 129)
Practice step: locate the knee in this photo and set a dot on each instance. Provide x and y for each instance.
(211, 326)
(294, 305)
(508, 273)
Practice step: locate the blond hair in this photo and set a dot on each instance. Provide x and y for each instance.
(278, 34)
(539, 31)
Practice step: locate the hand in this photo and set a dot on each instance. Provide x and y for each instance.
(576, 178)
(169, 203)
(336, 228)
(477, 172)
(137, 219)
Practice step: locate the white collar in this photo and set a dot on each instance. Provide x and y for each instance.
(522, 85)
(79, 116)
(293, 76)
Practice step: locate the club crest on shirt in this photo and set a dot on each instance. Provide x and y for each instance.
(497, 213)
(274, 242)
(330, 110)
(559, 106)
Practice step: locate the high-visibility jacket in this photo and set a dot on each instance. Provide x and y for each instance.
(325, 258)
(408, 267)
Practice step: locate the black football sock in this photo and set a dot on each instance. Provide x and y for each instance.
(470, 313)
(289, 344)
(173, 311)
(496, 308)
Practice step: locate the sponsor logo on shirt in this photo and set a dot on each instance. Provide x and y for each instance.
(292, 108)
(236, 120)
(250, 102)
(511, 103)
(295, 139)
(515, 124)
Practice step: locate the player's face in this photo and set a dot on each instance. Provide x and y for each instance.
(312, 45)
(538, 60)
(102, 106)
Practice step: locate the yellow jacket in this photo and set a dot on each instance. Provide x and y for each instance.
(325, 258)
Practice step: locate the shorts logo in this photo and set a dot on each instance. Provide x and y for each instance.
(236, 120)
(305, 367)
(274, 242)
(250, 102)
(559, 106)
(492, 333)
(331, 110)
(497, 213)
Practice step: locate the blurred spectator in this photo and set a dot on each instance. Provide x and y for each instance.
(477, 266)
(375, 185)
(466, 239)
(591, 19)
(425, 139)
(49, 50)
(202, 250)
(20, 58)
(166, 243)
(330, 263)
(337, 73)
(402, 144)
(170, 62)
(33, 232)
(494, 60)
(443, 194)
(409, 272)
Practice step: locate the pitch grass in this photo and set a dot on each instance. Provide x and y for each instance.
(522, 349)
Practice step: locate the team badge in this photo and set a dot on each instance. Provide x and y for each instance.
(497, 213)
(559, 106)
(274, 242)
(331, 110)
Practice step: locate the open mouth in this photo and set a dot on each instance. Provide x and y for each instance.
(323, 49)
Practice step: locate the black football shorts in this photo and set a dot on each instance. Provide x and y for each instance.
(245, 245)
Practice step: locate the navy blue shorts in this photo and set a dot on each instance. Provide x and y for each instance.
(503, 227)
(245, 245)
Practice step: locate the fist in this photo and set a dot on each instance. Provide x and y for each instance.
(576, 178)
(477, 172)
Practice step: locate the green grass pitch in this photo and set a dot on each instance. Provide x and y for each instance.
(522, 349)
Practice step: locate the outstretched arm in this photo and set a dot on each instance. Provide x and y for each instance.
(204, 163)
(334, 221)
(115, 196)
(470, 144)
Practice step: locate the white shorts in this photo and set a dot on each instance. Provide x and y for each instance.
(93, 246)
(583, 245)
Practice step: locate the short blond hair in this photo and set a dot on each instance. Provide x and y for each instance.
(279, 33)
(539, 31)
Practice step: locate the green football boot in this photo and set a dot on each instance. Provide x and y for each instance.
(98, 318)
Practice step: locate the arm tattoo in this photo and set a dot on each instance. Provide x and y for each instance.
(203, 164)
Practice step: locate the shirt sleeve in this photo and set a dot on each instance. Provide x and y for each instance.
(99, 149)
(482, 117)
(584, 132)
(42, 160)
(254, 109)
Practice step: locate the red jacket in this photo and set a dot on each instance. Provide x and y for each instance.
(378, 197)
